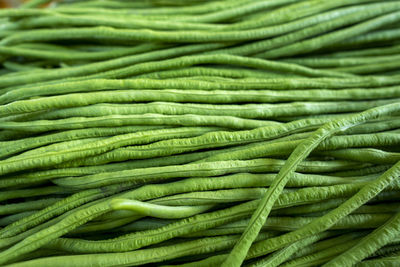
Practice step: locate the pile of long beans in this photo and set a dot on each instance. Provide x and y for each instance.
(200, 133)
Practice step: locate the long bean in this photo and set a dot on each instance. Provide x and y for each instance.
(321, 257)
(214, 72)
(155, 210)
(88, 69)
(235, 213)
(189, 225)
(318, 24)
(6, 220)
(65, 171)
(145, 175)
(53, 157)
(319, 42)
(369, 244)
(15, 146)
(200, 133)
(210, 140)
(280, 256)
(58, 208)
(357, 221)
(340, 62)
(259, 83)
(162, 10)
(84, 99)
(77, 55)
(265, 111)
(239, 252)
(32, 192)
(384, 261)
(303, 205)
(228, 122)
(369, 68)
(252, 150)
(218, 96)
(380, 36)
(244, 194)
(333, 145)
(329, 243)
(288, 13)
(27, 206)
(143, 256)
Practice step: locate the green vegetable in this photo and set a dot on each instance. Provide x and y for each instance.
(200, 133)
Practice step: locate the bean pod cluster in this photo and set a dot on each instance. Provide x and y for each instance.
(200, 133)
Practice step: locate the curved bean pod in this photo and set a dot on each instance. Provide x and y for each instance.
(97, 67)
(154, 210)
(369, 244)
(215, 97)
(140, 257)
(187, 120)
(278, 257)
(325, 40)
(145, 175)
(15, 146)
(93, 148)
(239, 252)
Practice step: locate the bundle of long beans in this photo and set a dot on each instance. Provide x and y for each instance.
(200, 133)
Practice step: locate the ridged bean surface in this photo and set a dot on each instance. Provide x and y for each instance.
(200, 133)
